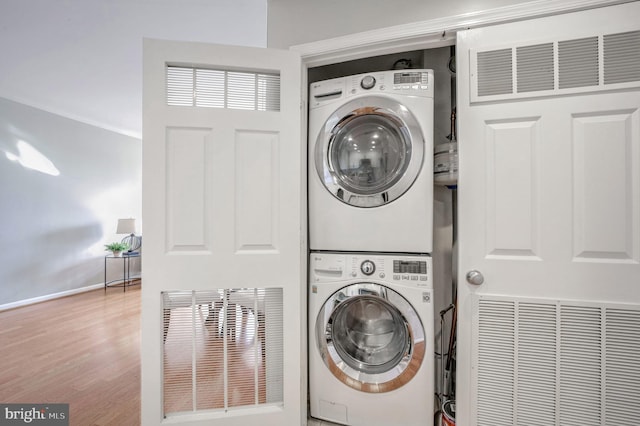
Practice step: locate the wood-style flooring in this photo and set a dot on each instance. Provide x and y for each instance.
(83, 350)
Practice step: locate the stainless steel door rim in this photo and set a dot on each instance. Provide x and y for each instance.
(369, 152)
(370, 337)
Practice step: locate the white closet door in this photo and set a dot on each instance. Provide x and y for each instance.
(224, 248)
(549, 215)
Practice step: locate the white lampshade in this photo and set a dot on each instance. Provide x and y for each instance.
(126, 226)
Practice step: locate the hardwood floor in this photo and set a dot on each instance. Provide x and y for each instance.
(83, 350)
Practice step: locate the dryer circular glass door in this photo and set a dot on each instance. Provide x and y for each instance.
(370, 337)
(369, 152)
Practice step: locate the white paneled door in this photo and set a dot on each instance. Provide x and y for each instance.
(224, 253)
(549, 221)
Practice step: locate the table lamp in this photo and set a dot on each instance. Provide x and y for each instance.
(128, 226)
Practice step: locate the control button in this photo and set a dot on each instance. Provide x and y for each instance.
(396, 276)
(367, 82)
(354, 274)
(423, 278)
(382, 275)
(367, 267)
(405, 277)
(414, 278)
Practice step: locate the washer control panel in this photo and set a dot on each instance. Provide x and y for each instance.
(412, 270)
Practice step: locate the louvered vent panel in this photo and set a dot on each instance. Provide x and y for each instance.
(622, 390)
(210, 88)
(273, 346)
(580, 366)
(537, 372)
(222, 89)
(622, 57)
(496, 363)
(268, 92)
(495, 75)
(562, 363)
(535, 68)
(574, 67)
(222, 349)
(178, 327)
(242, 90)
(578, 63)
(180, 83)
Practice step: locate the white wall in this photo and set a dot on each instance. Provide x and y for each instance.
(53, 227)
(292, 22)
(83, 58)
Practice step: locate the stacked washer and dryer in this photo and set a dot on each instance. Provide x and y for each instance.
(371, 314)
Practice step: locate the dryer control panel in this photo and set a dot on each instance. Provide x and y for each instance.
(412, 270)
(398, 82)
(405, 82)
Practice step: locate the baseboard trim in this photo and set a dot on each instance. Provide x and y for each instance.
(46, 297)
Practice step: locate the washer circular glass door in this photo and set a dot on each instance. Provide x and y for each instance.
(370, 337)
(369, 151)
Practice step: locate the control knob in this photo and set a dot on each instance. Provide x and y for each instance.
(368, 267)
(367, 82)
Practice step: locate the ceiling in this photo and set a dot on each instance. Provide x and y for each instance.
(82, 59)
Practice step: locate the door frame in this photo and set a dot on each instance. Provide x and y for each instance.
(435, 33)
(430, 34)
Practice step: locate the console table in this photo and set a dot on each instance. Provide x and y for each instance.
(126, 270)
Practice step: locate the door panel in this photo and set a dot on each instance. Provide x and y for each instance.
(549, 213)
(603, 159)
(512, 198)
(188, 161)
(224, 256)
(257, 180)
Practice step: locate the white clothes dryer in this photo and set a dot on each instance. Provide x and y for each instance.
(371, 163)
(371, 339)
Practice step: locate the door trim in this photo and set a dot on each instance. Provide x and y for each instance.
(432, 33)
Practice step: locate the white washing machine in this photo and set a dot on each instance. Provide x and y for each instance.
(371, 339)
(371, 163)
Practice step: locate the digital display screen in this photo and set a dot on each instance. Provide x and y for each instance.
(407, 77)
(409, 267)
